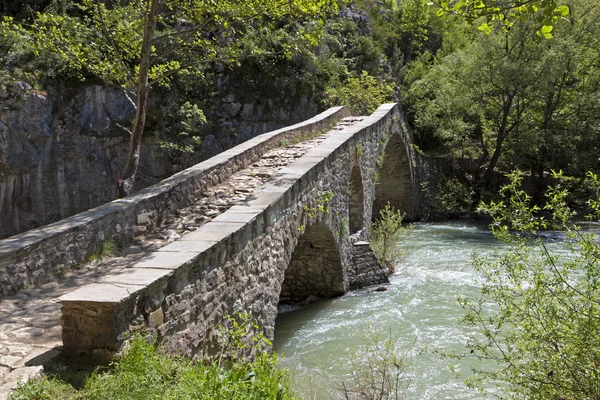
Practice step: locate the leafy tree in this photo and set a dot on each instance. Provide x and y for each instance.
(143, 44)
(510, 98)
(559, 132)
(538, 313)
(474, 98)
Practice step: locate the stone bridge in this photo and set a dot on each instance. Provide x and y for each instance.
(301, 234)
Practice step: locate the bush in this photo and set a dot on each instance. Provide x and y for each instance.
(378, 371)
(387, 238)
(537, 317)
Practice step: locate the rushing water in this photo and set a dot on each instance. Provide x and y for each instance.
(419, 310)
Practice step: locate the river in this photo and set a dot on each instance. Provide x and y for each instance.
(419, 311)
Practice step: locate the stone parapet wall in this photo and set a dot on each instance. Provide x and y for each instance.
(41, 254)
(241, 260)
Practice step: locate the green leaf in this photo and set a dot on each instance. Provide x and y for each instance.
(485, 28)
(546, 31)
(562, 10)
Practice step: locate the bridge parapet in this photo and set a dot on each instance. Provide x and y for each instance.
(242, 259)
(43, 254)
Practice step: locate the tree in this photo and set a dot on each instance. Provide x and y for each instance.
(538, 315)
(363, 94)
(559, 133)
(473, 99)
(510, 99)
(146, 43)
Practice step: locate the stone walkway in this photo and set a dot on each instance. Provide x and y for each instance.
(30, 331)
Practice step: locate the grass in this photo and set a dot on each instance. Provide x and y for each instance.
(107, 249)
(144, 373)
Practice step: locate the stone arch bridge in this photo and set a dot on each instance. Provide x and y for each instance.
(300, 234)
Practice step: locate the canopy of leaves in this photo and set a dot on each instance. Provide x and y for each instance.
(510, 98)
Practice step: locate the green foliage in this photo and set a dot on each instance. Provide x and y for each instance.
(108, 247)
(378, 370)
(143, 372)
(106, 39)
(344, 227)
(448, 198)
(44, 389)
(538, 311)
(363, 94)
(321, 206)
(359, 150)
(506, 13)
(509, 99)
(190, 118)
(388, 237)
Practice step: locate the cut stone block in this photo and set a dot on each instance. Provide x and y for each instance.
(137, 276)
(166, 259)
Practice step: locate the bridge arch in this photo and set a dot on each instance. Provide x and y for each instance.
(395, 183)
(356, 201)
(315, 268)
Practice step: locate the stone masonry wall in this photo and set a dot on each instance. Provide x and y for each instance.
(239, 261)
(41, 254)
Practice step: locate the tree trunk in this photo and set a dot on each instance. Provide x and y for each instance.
(125, 183)
(503, 132)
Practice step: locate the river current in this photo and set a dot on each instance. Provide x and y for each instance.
(419, 312)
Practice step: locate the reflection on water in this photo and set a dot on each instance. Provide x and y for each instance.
(419, 309)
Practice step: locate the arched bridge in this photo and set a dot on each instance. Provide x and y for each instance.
(300, 234)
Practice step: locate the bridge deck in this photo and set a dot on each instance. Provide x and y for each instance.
(30, 330)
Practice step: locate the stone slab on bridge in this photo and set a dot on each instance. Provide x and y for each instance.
(290, 240)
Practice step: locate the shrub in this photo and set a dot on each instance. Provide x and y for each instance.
(388, 235)
(378, 371)
(537, 317)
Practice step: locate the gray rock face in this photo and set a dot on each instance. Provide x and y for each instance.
(102, 109)
(24, 128)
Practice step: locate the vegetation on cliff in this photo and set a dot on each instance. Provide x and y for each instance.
(520, 92)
